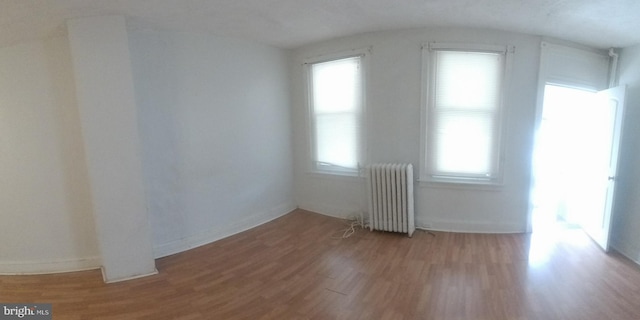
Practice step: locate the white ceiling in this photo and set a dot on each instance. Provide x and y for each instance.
(292, 23)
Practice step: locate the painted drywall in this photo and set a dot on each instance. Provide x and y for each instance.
(571, 65)
(393, 131)
(213, 116)
(214, 119)
(108, 118)
(625, 237)
(46, 224)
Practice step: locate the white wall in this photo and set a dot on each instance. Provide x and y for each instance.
(214, 119)
(46, 223)
(394, 131)
(626, 216)
(108, 117)
(213, 115)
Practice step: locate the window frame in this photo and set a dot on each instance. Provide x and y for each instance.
(427, 116)
(313, 166)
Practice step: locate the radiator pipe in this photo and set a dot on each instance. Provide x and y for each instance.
(614, 68)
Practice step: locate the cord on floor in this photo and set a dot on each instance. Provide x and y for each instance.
(354, 223)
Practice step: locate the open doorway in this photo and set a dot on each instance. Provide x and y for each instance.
(563, 156)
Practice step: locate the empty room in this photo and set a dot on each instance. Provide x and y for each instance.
(282, 159)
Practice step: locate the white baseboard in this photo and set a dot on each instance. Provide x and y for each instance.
(335, 212)
(627, 249)
(425, 224)
(104, 278)
(47, 267)
(469, 226)
(222, 232)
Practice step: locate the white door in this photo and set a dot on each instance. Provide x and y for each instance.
(604, 141)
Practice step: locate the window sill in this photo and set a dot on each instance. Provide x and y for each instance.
(461, 184)
(347, 175)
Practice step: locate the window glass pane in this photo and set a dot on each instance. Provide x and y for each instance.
(463, 143)
(336, 85)
(468, 80)
(463, 132)
(336, 109)
(337, 142)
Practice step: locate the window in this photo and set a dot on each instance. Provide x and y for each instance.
(462, 122)
(336, 99)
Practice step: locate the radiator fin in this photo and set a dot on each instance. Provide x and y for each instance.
(390, 187)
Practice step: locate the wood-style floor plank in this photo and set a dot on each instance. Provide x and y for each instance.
(299, 267)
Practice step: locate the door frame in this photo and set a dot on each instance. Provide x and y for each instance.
(570, 66)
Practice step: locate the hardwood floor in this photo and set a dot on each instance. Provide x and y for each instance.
(298, 267)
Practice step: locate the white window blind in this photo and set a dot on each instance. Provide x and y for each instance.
(463, 132)
(336, 107)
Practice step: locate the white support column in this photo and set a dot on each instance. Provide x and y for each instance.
(106, 99)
